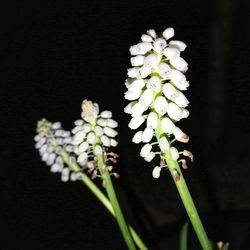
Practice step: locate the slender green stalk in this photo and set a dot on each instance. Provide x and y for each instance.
(102, 198)
(113, 199)
(186, 197)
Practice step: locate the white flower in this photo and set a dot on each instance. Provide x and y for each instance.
(156, 172)
(106, 141)
(112, 123)
(97, 150)
(138, 109)
(136, 85)
(164, 70)
(83, 147)
(168, 33)
(167, 125)
(170, 53)
(91, 137)
(110, 132)
(174, 153)
(137, 137)
(159, 44)
(161, 105)
(133, 72)
(152, 120)
(150, 61)
(147, 134)
(145, 150)
(180, 136)
(136, 122)
(179, 63)
(147, 97)
(154, 83)
(178, 44)
(146, 38)
(65, 174)
(143, 72)
(152, 33)
(137, 60)
(174, 111)
(149, 157)
(106, 114)
(164, 144)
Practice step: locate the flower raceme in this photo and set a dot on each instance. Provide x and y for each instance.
(155, 88)
(93, 135)
(51, 140)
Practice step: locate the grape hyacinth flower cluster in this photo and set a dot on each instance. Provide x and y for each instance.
(155, 88)
(51, 140)
(93, 135)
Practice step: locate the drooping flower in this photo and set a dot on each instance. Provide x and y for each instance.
(155, 88)
(51, 140)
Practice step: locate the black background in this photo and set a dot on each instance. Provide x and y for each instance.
(56, 54)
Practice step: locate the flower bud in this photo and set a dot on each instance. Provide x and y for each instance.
(136, 85)
(174, 153)
(168, 33)
(133, 72)
(138, 109)
(97, 150)
(65, 175)
(86, 127)
(110, 132)
(179, 63)
(91, 137)
(145, 150)
(152, 120)
(112, 123)
(178, 44)
(83, 147)
(156, 172)
(180, 136)
(82, 158)
(150, 61)
(146, 38)
(137, 60)
(147, 97)
(128, 108)
(147, 135)
(164, 70)
(113, 142)
(174, 111)
(152, 33)
(143, 72)
(178, 79)
(149, 157)
(106, 114)
(154, 83)
(161, 105)
(137, 137)
(159, 44)
(136, 122)
(170, 53)
(167, 125)
(164, 144)
(99, 130)
(105, 140)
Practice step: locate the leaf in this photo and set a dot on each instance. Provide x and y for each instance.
(183, 237)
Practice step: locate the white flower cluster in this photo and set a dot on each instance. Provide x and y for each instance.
(155, 84)
(50, 140)
(93, 133)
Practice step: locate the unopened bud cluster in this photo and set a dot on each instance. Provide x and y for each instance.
(93, 134)
(51, 140)
(154, 88)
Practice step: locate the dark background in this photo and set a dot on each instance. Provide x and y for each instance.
(54, 55)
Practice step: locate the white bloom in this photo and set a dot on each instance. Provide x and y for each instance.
(168, 33)
(136, 122)
(86, 127)
(137, 60)
(164, 144)
(137, 137)
(99, 130)
(185, 113)
(174, 111)
(181, 100)
(145, 47)
(179, 63)
(133, 72)
(138, 109)
(91, 137)
(106, 114)
(56, 125)
(167, 125)
(102, 122)
(145, 150)
(79, 122)
(146, 38)
(113, 142)
(65, 175)
(131, 96)
(174, 153)
(83, 147)
(159, 44)
(82, 158)
(178, 44)
(76, 129)
(110, 132)
(136, 85)
(112, 123)
(178, 79)
(164, 70)
(149, 157)
(143, 72)
(152, 33)
(128, 108)
(156, 172)
(170, 91)
(154, 83)
(152, 120)
(147, 97)
(97, 150)
(180, 136)
(171, 52)
(79, 136)
(150, 61)
(135, 50)
(161, 105)
(105, 140)
(147, 135)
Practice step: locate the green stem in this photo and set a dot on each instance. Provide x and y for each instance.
(113, 199)
(101, 197)
(186, 197)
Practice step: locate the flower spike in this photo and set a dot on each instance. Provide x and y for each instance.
(155, 88)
